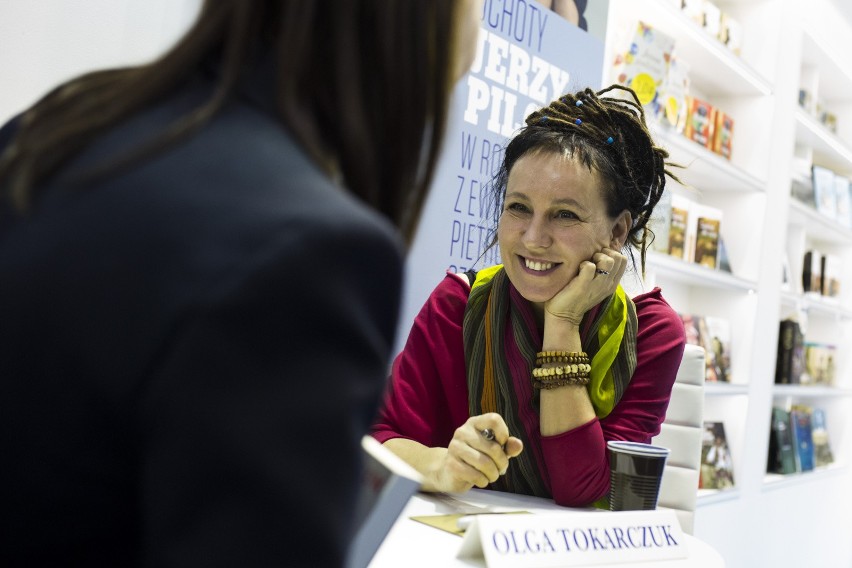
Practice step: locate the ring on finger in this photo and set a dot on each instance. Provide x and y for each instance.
(604, 272)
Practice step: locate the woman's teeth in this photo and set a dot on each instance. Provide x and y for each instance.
(540, 266)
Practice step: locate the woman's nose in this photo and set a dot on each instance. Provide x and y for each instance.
(537, 234)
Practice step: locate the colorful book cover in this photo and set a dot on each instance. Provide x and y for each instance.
(678, 227)
(723, 134)
(714, 335)
(708, 224)
(781, 451)
(717, 342)
(645, 65)
(800, 421)
(673, 94)
(819, 364)
(692, 329)
(819, 433)
(717, 468)
(700, 122)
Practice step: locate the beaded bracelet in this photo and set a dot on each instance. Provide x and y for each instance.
(561, 357)
(561, 382)
(580, 368)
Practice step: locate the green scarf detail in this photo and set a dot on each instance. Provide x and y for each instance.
(609, 340)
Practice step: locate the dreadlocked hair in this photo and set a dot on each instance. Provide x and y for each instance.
(607, 134)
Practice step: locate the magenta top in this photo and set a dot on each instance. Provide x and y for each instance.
(427, 398)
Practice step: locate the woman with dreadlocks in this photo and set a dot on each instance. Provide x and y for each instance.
(516, 376)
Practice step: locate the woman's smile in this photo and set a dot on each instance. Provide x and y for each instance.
(554, 218)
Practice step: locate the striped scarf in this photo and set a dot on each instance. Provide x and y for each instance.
(501, 339)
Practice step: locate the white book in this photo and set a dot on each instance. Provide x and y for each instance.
(388, 482)
(660, 222)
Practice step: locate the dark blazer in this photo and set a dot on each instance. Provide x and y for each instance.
(190, 352)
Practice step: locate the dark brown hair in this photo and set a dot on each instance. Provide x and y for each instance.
(606, 134)
(362, 84)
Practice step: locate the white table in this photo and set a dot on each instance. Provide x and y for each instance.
(412, 544)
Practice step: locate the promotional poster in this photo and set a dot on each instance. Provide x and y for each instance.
(527, 55)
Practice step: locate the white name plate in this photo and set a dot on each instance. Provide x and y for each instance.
(574, 538)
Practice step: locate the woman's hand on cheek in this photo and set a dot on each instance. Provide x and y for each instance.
(596, 280)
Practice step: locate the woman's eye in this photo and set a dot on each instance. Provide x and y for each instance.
(517, 208)
(566, 215)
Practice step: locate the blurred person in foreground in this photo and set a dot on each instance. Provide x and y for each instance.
(200, 274)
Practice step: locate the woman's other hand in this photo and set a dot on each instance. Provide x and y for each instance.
(471, 459)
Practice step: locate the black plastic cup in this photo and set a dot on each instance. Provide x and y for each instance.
(635, 473)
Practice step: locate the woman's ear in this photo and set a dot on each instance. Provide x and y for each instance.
(620, 230)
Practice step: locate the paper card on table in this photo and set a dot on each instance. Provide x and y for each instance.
(574, 538)
(450, 523)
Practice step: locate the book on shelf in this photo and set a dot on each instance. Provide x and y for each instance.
(800, 425)
(694, 10)
(673, 94)
(387, 484)
(707, 227)
(718, 343)
(830, 270)
(679, 223)
(714, 335)
(802, 190)
(824, 191)
(806, 101)
(723, 134)
(661, 220)
(812, 272)
(826, 117)
(789, 363)
(717, 468)
(781, 458)
(644, 66)
(712, 18)
(700, 122)
(819, 364)
(819, 433)
(731, 33)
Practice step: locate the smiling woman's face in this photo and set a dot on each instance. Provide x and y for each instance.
(554, 217)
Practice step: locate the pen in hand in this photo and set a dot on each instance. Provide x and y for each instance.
(488, 434)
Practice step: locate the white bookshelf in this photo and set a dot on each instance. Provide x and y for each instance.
(785, 46)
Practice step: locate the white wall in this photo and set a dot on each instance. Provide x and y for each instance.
(44, 42)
